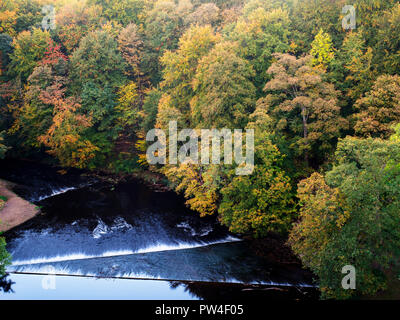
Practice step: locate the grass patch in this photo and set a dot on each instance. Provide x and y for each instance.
(3, 201)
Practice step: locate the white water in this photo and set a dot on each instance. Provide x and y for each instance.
(54, 193)
(154, 248)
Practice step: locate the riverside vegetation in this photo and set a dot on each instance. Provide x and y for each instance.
(324, 104)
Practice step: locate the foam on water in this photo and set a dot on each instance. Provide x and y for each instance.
(53, 193)
(154, 248)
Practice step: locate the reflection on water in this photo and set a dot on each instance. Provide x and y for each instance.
(6, 284)
(28, 286)
(34, 286)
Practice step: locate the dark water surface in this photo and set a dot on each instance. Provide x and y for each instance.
(91, 229)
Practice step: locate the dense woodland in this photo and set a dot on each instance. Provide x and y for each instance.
(324, 103)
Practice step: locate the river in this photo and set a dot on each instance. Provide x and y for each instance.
(99, 240)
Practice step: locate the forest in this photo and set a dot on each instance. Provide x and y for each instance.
(82, 87)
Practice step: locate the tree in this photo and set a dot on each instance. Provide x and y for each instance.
(350, 217)
(259, 34)
(8, 20)
(303, 106)
(351, 69)
(3, 148)
(322, 50)
(75, 20)
(387, 58)
(124, 11)
(200, 184)
(310, 16)
(131, 46)
(379, 109)
(262, 202)
(98, 60)
(150, 109)
(64, 137)
(206, 13)
(180, 67)
(29, 49)
(33, 116)
(5, 257)
(127, 110)
(223, 92)
(164, 26)
(5, 51)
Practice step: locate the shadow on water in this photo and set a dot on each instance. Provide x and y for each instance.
(243, 292)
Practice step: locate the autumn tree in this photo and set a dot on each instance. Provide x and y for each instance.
(379, 109)
(350, 217)
(223, 92)
(180, 69)
(127, 110)
(131, 47)
(303, 106)
(74, 21)
(29, 48)
(322, 50)
(387, 39)
(124, 11)
(33, 117)
(64, 136)
(200, 185)
(263, 201)
(205, 14)
(8, 20)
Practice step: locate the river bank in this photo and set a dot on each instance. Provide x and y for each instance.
(15, 210)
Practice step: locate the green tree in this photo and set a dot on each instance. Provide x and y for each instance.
(150, 109)
(263, 201)
(98, 60)
(29, 49)
(350, 217)
(5, 51)
(5, 258)
(351, 69)
(3, 148)
(163, 28)
(260, 34)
